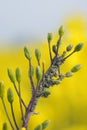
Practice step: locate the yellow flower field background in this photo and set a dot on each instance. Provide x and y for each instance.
(67, 105)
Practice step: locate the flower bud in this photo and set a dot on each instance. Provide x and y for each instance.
(69, 74)
(5, 126)
(64, 53)
(31, 71)
(54, 48)
(49, 37)
(46, 93)
(61, 31)
(69, 47)
(38, 73)
(57, 81)
(27, 53)
(45, 124)
(11, 75)
(76, 68)
(37, 54)
(78, 47)
(10, 96)
(2, 91)
(39, 127)
(18, 75)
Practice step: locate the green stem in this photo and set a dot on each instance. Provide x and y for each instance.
(50, 52)
(20, 103)
(58, 45)
(68, 55)
(14, 116)
(7, 114)
(18, 95)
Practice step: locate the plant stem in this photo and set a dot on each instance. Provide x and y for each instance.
(20, 103)
(14, 116)
(7, 114)
(68, 55)
(31, 80)
(58, 45)
(50, 52)
(18, 95)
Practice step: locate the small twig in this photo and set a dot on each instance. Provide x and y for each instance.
(31, 80)
(50, 52)
(39, 62)
(7, 114)
(43, 68)
(68, 55)
(20, 102)
(18, 95)
(14, 116)
(59, 71)
(58, 45)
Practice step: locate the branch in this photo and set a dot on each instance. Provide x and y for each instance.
(68, 55)
(50, 51)
(7, 114)
(58, 45)
(31, 80)
(14, 116)
(20, 103)
(18, 95)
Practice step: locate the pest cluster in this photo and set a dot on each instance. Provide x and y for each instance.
(45, 79)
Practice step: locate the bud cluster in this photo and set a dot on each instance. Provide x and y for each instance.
(45, 79)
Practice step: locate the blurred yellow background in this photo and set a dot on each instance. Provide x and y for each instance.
(67, 105)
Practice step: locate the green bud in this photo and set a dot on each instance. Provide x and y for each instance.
(76, 68)
(39, 127)
(27, 53)
(61, 31)
(2, 91)
(69, 74)
(18, 75)
(54, 48)
(37, 54)
(38, 73)
(49, 37)
(64, 53)
(10, 95)
(5, 126)
(46, 93)
(11, 75)
(57, 81)
(78, 47)
(69, 47)
(45, 124)
(31, 71)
